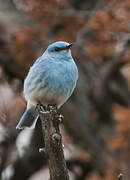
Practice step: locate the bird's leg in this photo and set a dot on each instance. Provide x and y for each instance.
(40, 107)
(52, 108)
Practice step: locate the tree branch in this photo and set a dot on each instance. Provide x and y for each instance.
(53, 143)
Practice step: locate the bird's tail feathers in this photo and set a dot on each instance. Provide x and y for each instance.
(28, 119)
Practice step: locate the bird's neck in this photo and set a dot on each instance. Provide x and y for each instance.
(58, 57)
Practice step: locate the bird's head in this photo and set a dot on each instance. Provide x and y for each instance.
(59, 48)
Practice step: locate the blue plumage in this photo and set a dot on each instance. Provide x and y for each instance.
(51, 80)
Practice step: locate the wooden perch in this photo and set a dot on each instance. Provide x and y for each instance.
(53, 143)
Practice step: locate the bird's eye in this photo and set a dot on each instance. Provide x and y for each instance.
(57, 49)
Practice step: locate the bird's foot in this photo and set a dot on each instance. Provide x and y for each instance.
(52, 108)
(40, 107)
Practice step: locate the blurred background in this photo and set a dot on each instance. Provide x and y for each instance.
(96, 125)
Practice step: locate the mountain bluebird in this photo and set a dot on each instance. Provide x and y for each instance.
(51, 80)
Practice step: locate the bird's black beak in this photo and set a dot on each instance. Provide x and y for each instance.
(63, 48)
(69, 46)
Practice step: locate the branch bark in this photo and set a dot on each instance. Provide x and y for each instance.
(53, 144)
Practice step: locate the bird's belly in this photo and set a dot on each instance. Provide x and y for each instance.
(47, 96)
(52, 91)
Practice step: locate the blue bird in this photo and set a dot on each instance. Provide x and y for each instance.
(51, 80)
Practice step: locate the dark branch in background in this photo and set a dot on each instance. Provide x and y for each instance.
(26, 166)
(6, 147)
(53, 143)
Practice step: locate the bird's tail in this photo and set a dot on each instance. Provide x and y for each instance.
(28, 119)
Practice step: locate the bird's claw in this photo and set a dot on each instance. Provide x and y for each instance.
(40, 107)
(52, 108)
